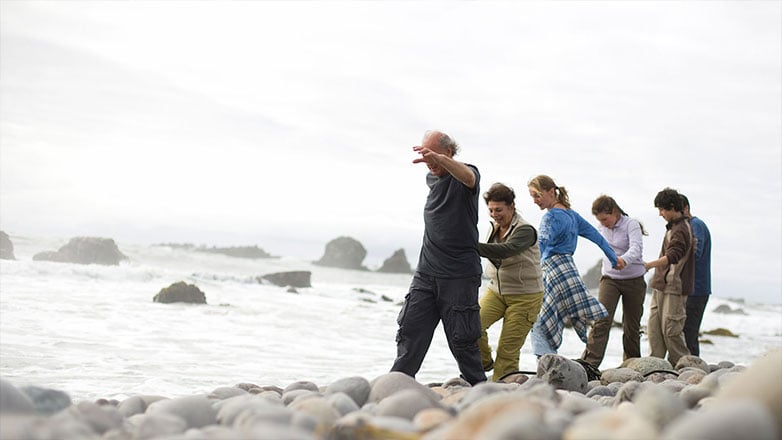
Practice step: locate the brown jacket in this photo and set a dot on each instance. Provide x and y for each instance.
(678, 277)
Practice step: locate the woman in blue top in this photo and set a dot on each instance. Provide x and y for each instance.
(565, 295)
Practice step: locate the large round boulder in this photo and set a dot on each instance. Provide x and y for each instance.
(396, 263)
(180, 292)
(85, 250)
(343, 252)
(6, 247)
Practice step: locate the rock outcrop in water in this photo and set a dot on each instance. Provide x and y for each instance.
(726, 403)
(85, 250)
(592, 276)
(180, 292)
(344, 253)
(396, 263)
(296, 278)
(6, 247)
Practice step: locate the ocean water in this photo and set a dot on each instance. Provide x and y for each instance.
(93, 331)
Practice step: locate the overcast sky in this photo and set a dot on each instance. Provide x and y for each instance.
(288, 124)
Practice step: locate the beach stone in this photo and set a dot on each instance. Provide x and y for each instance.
(692, 375)
(720, 331)
(405, 404)
(229, 409)
(244, 418)
(270, 431)
(537, 388)
(621, 375)
(646, 365)
(629, 390)
(62, 425)
(601, 390)
(481, 391)
(576, 403)
(692, 362)
(301, 385)
(319, 409)
(743, 418)
(621, 423)
(343, 252)
(431, 418)
(660, 377)
(658, 405)
(472, 421)
(136, 404)
(356, 387)
(295, 278)
(456, 382)
(524, 425)
(291, 396)
(197, 411)
(725, 364)
(395, 381)
(149, 426)
(761, 382)
(562, 373)
(363, 426)
(222, 393)
(99, 418)
(45, 400)
(692, 394)
(518, 378)
(180, 292)
(85, 250)
(396, 263)
(14, 401)
(673, 385)
(343, 403)
(6, 247)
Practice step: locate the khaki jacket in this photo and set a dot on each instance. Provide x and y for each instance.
(514, 260)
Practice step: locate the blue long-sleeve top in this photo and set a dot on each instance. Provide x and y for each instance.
(559, 232)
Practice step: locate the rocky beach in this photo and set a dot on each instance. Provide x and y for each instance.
(646, 398)
(105, 340)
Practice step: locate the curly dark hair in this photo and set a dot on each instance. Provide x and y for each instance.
(669, 199)
(500, 192)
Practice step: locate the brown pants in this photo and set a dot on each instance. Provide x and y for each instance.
(633, 293)
(666, 326)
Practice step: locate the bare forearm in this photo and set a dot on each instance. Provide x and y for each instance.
(458, 170)
(660, 262)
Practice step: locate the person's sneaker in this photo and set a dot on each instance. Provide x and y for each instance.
(592, 372)
(489, 366)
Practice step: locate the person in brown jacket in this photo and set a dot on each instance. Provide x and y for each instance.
(673, 280)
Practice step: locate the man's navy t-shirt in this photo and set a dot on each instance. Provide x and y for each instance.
(450, 245)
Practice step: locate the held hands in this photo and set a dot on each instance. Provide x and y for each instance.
(620, 263)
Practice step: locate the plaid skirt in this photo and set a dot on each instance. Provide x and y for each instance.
(566, 298)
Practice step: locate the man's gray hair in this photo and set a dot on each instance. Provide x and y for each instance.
(444, 140)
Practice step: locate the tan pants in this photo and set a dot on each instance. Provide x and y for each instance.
(518, 313)
(666, 326)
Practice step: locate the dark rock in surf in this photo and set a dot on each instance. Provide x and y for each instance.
(85, 250)
(296, 278)
(344, 253)
(180, 292)
(726, 309)
(396, 263)
(253, 252)
(6, 247)
(592, 276)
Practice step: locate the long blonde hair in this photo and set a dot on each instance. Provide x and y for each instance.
(543, 183)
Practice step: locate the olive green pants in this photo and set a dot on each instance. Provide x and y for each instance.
(519, 313)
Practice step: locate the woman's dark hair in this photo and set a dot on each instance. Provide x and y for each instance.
(607, 205)
(669, 199)
(499, 192)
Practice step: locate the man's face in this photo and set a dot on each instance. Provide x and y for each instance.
(669, 214)
(432, 143)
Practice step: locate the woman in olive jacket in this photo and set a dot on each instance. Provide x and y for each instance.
(515, 290)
